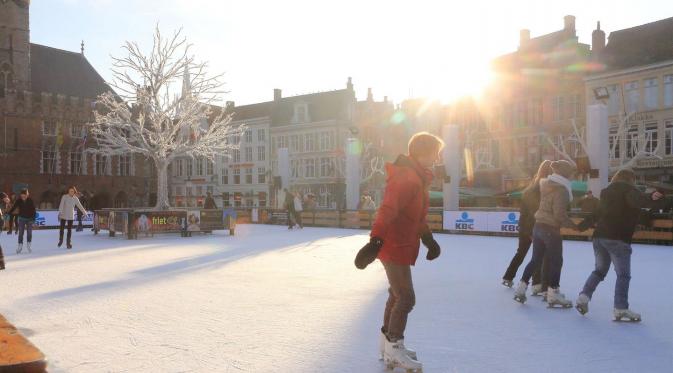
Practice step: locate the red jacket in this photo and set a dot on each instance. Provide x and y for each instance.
(400, 220)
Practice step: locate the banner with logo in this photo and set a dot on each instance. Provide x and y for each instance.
(469, 221)
(49, 218)
(503, 222)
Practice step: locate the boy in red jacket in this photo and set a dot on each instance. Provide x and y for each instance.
(400, 223)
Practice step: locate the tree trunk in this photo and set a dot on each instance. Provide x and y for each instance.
(162, 186)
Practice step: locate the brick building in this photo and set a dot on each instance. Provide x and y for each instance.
(46, 97)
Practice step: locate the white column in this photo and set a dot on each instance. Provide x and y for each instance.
(452, 159)
(284, 173)
(352, 173)
(598, 147)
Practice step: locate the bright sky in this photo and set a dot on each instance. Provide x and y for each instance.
(430, 48)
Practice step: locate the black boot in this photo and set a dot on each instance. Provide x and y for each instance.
(69, 245)
(60, 243)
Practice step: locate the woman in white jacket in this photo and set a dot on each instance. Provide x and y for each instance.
(66, 213)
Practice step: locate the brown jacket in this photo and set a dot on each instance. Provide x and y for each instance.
(554, 201)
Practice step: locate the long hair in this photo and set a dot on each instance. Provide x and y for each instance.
(73, 188)
(543, 171)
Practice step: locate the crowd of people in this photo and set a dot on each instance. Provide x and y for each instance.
(18, 215)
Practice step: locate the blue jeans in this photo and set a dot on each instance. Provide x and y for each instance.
(26, 225)
(547, 248)
(606, 252)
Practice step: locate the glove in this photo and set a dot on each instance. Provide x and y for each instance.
(368, 253)
(432, 245)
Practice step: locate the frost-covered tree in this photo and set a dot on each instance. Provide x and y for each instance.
(165, 106)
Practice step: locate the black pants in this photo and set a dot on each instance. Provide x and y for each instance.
(547, 246)
(525, 241)
(60, 231)
(13, 220)
(79, 223)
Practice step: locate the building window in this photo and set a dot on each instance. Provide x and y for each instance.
(76, 163)
(237, 199)
(614, 100)
(124, 165)
(522, 114)
(248, 175)
(248, 136)
(558, 107)
(536, 107)
(177, 168)
(261, 175)
(294, 144)
(199, 166)
(294, 167)
(668, 90)
(325, 167)
(668, 148)
(190, 167)
(326, 140)
(199, 191)
(261, 197)
(48, 162)
(225, 176)
(49, 128)
(225, 199)
(261, 153)
(651, 93)
(248, 154)
(282, 142)
(209, 167)
(225, 157)
(237, 176)
(300, 113)
(237, 155)
(309, 167)
(188, 191)
(632, 143)
(261, 135)
(632, 97)
(614, 144)
(310, 142)
(575, 107)
(179, 191)
(100, 164)
(77, 130)
(651, 137)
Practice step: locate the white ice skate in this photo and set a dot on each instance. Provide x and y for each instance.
(555, 298)
(395, 356)
(536, 290)
(28, 247)
(629, 315)
(582, 304)
(520, 292)
(19, 248)
(382, 347)
(507, 283)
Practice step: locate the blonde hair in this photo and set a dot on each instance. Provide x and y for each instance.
(424, 143)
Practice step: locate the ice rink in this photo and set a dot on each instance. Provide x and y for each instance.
(273, 300)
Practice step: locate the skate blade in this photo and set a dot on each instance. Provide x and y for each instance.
(520, 300)
(625, 320)
(553, 305)
(581, 310)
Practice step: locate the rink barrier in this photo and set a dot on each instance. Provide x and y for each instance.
(17, 353)
(135, 223)
(478, 222)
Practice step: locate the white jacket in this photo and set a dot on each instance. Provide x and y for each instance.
(66, 210)
(297, 204)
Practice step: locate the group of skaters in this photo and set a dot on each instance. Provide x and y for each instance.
(400, 224)
(22, 214)
(295, 204)
(614, 217)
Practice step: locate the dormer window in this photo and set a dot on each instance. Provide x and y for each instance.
(301, 113)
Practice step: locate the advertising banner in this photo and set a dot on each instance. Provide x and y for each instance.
(211, 219)
(193, 221)
(470, 221)
(49, 218)
(158, 221)
(503, 222)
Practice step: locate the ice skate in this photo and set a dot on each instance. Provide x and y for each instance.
(395, 356)
(28, 247)
(69, 245)
(60, 243)
(382, 347)
(19, 248)
(582, 304)
(627, 314)
(555, 298)
(507, 283)
(520, 292)
(536, 290)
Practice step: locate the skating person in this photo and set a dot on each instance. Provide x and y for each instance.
(530, 201)
(289, 205)
(298, 208)
(13, 218)
(555, 196)
(4, 206)
(66, 211)
(621, 204)
(25, 208)
(399, 225)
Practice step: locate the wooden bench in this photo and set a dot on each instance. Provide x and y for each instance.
(17, 354)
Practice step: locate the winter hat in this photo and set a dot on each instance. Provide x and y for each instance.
(563, 168)
(3, 195)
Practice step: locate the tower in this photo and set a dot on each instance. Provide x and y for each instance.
(14, 45)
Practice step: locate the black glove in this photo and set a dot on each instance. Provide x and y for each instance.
(432, 245)
(368, 253)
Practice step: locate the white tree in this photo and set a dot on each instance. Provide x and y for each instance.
(161, 123)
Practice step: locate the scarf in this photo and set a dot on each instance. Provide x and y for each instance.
(563, 181)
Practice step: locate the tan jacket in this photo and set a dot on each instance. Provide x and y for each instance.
(554, 201)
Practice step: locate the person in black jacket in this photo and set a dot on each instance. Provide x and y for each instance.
(619, 212)
(26, 209)
(530, 201)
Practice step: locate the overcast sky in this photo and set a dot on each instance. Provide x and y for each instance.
(425, 48)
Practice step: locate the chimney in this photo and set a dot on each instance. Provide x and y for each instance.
(524, 38)
(277, 94)
(370, 96)
(569, 23)
(597, 39)
(349, 85)
(230, 105)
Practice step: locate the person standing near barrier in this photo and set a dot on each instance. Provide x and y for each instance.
(530, 202)
(66, 210)
(394, 239)
(555, 197)
(298, 209)
(617, 216)
(25, 209)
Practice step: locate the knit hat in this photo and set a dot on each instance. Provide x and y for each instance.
(563, 168)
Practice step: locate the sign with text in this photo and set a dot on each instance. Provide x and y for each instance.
(158, 221)
(506, 222)
(471, 221)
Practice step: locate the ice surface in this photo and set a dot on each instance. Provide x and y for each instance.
(273, 300)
